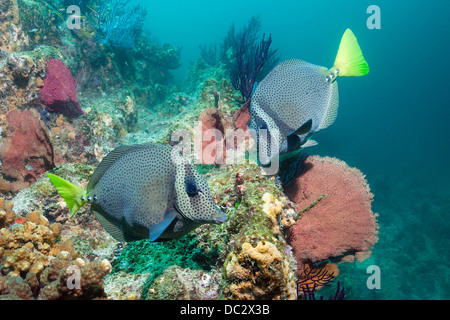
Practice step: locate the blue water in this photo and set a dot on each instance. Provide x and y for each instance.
(392, 124)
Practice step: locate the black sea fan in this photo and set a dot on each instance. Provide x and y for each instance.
(314, 278)
(246, 59)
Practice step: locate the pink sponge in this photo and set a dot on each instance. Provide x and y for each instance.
(341, 226)
(59, 93)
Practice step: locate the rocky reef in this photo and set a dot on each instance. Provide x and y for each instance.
(67, 100)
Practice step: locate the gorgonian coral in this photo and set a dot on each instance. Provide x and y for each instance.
(117, 24)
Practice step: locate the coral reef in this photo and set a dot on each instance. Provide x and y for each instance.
(27, 151)
(257, 261)
(123, 80)
(342, 227)
(37, 263)
(7, 215)
(13, 37)
(118, 25)
(22, 76)
(59, 91)
(259, 272)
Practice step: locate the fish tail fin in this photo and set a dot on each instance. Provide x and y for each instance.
(349, 60)
(71, 193)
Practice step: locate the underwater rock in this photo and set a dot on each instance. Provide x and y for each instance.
(21, 77)
(339, 226)
(21, 66)
(257, 263)
(57, 283)
(125, 286)
(258, 272)
(59, 92)
(27, 151)
(12, 38)
(177, 283)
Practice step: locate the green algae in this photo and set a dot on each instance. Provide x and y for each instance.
(142, 257)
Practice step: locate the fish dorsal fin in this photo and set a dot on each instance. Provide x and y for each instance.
(113, 226)
(158, 229)
(332, 110)
(110, 158)
(304, 128)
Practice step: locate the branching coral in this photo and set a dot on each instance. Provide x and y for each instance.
(37, 263)
(7, 215)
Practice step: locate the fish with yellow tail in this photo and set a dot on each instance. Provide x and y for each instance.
(145, 191)
(297, 99)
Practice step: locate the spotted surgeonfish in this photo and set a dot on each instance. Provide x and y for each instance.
(297, 99)
(145, 191)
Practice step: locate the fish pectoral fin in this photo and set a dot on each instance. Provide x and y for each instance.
(304, 128)
(158, 229)
(293, 139)
(293, 142)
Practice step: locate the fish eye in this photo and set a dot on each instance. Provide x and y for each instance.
(192, 189)
(95, 197)
(336, 72)
(327, 79)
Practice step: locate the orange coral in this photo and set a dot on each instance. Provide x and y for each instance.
(7, 215)
(257, 272)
